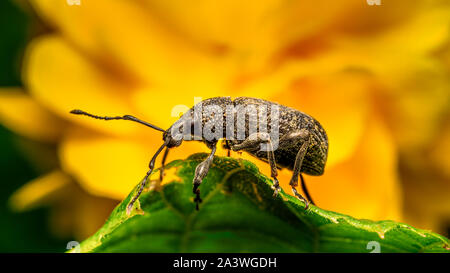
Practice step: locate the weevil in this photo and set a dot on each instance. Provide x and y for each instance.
(300, 143)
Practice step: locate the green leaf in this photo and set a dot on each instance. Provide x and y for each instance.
(239, 214)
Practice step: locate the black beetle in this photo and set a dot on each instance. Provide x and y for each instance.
(296, 140)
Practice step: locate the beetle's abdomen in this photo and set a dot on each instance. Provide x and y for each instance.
(313, 163)
(290, 121)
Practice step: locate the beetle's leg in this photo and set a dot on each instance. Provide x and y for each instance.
(151, 166)
(154, 184)
(226, 145)
(163, 164)
(273, 168)
(141, 189)
(200, 172)
(305, 190)
(228, 148)
(302, 135)
(253, 141)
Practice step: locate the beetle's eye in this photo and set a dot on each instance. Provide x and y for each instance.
(174, 143)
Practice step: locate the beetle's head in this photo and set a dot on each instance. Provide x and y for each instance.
(170, 140)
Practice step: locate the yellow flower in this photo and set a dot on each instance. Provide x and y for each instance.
(362, 71)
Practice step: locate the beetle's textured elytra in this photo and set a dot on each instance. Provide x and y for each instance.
(301, 144)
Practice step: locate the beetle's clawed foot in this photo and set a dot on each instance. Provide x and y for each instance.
(129, 209)
(276, 187)
(197, 198)
(301, 198)
(306, 204)
(275, 191)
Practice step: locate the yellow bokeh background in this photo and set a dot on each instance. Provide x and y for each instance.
(376, 77)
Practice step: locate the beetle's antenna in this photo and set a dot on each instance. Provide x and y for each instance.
(144, 181)
(305, 190)
(126, 117)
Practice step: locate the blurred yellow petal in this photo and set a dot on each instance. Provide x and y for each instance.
(105, 166)
(426, 180)
(251, 30)
(40, 191)
(415, 115)
(368, 21)
(396, 55)
(74, 212)
(427, 202)
(62, 79)
(78, 214)
(440, 151)
(393, 54)
(161, 39)
(135, 39)
(431, 24)
(22, 114)
(366, 185)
